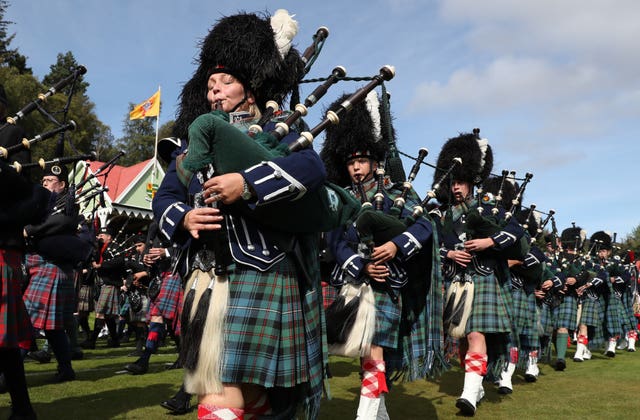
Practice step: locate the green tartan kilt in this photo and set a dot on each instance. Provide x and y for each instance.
(547, 320)
(630, 316)
(490, 311)
(616, 319)
(526, 318)
(591, 314)
(566, 314)
(268, 326)
(388, 316)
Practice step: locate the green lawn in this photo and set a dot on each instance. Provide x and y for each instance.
(601, 388)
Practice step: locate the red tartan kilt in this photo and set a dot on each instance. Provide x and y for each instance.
(168, 303)
(15, 325)
(329, 294)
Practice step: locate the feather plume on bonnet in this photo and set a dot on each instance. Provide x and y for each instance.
(257, 50)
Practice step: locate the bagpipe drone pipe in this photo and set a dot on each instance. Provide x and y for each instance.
(42, 97)
(61, 126)
(489, 217)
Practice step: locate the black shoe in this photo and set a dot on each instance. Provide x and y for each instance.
(3, 384)
(174, 365)
(560, 365)
(139, 367)
(64, 376)
(88, 345)
(40, 356)
(504, 390)
(465, 407)
(179, 404)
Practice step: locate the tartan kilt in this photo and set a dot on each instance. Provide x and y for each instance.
(86, 303)
(168, 303)
(108, 301)
(627, 301)
(388, 316)
(491, 306)
(271, 332)
(547, 320)
(15, 325)
(566, 314)
(616, 319)
(526, 319)
(50, 294)
(591, 312)
(329, 294)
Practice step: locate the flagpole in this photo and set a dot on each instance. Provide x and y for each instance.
(155, 148)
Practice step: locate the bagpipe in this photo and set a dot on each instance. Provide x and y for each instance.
(37, 104)
(351, 316)
(42, 97)
(483, 222)
(214, 142)
(27, 143)
(42, 163)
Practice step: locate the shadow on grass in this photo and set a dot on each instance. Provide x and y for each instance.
(103, 404)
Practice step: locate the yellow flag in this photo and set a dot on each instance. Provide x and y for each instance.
(149, 108)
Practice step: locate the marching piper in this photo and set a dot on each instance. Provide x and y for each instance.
(257, 346)
(475, 246)
(617, 322)
(394, 274)
(50, 296)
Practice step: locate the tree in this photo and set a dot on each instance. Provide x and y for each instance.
(72, 104)
(632, 242)
(10, 57)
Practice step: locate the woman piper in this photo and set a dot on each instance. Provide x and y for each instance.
(260, 326)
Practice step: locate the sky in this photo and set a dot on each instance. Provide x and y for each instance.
(553, 85)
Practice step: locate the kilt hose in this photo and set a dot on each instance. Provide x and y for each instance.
(15, 325)
(50, 294)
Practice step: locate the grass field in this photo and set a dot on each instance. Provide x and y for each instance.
(601, 388)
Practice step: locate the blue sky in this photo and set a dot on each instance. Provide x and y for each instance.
(554, 86)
